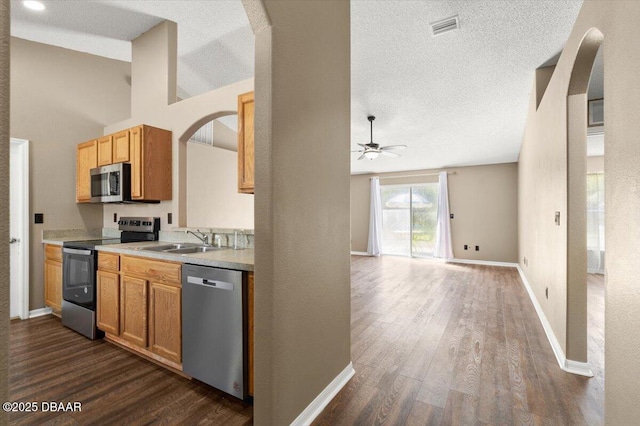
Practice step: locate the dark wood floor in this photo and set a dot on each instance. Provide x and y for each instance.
(436, 343)
(49, 362)
(432, 343)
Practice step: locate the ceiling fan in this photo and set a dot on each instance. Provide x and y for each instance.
(372, 150)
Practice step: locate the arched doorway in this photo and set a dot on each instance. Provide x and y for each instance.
(577, 123)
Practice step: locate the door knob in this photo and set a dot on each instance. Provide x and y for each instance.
(14, 240)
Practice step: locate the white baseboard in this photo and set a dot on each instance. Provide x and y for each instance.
(484, 262)
(574, 367)
(39, 312)
(324, 398)
(359, 253)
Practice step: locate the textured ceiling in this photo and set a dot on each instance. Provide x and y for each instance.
(457, 99)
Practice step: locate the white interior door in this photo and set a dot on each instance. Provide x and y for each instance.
(19, 228)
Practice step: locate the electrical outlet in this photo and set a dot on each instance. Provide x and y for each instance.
(546, 292)
(169, 218)
(477, 248)
(466, 247)
(115, 217)
(451, 216)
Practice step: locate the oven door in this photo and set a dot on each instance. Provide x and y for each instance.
(79, 276)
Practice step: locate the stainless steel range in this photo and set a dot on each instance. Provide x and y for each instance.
(79, 266)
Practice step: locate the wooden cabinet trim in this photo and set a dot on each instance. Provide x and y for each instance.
(121, 151)
(105, 151)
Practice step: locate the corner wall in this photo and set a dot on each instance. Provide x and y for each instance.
(60, 98)
(302, 285)
(542, 190)
(483, 200)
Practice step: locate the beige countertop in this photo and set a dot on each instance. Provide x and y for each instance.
(241, 260)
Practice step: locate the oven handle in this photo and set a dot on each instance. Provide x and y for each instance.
(76, 251)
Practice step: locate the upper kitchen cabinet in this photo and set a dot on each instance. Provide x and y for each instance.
(147, 148)
(150, 158)
(245, 143)
(121, 147)
(86, 159)
(105, 151)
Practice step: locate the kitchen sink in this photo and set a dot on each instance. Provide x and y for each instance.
(198, 249)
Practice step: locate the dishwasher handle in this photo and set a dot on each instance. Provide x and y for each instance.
(213, 284)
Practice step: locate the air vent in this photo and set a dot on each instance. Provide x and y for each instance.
(445, 25)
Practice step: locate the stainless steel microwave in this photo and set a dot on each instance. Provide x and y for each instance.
(111, 184)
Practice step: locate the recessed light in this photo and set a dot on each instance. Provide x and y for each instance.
(33, 5)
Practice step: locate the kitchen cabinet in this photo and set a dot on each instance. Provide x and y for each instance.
(246, 151)
(148, 150)
(150, 157)
(120, 147)
(165, 321)
(250, 329)
(53, 277)
(105, 151)
(140, 306)
(108, 289)
(86, 159)
(133, 310)
(108, 302)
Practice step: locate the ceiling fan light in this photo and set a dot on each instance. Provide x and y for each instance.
(371, 155)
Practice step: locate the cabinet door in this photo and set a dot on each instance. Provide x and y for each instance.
(250, 330)
(133, 310)
(109, 302)
(105, 148)
(121, 147)
(165, 321)
(245, 143)
(53, 284)
(86, 159)
(136, 160)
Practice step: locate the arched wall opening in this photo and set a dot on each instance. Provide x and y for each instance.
(577, 123)
(209, 158)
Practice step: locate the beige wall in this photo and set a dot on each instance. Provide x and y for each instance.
(4, 205)
(543, 190)
(302, 293)
(60, 98)
(483, 200)
(212, 189)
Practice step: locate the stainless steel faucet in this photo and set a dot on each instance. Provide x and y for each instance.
(201, 236)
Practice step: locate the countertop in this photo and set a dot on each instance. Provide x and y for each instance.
(241, 260)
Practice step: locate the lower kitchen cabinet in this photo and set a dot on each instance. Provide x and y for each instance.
(53, 277)
(133, 310)
(165, 321)
(109, 302)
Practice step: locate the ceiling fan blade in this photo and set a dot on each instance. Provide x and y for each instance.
(362, 150)
(362, 145)
(390, 154)
(361, 157)
(390, 147)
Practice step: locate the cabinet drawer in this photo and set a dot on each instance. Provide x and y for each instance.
(108, 262)
(152, 270)
(53, 252)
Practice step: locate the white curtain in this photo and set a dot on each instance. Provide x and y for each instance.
(375, 219)
(595, 223)
(444, 248)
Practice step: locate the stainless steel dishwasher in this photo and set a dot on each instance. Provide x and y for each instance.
(212, 328)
